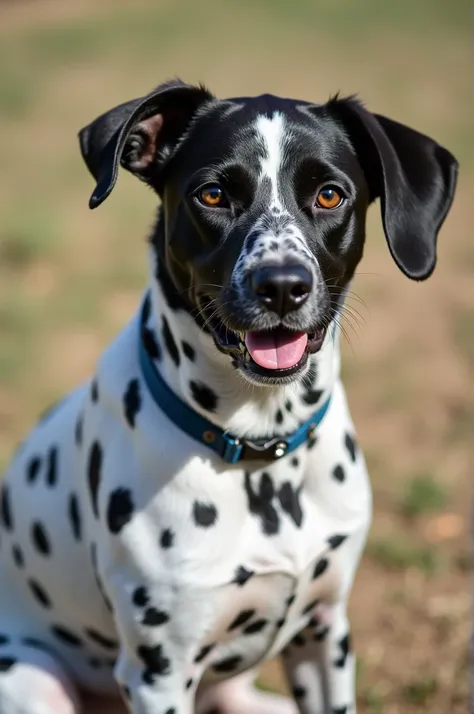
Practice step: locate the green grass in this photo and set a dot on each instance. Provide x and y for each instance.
(397, 554)
(420, 691)
(422, 495)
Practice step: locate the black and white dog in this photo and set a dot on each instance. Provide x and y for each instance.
(201, 504)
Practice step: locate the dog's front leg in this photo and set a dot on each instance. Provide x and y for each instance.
(160, 626)
(321, 666)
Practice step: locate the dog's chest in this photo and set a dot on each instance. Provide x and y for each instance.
(283, 572)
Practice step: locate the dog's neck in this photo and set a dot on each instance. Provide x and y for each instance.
(205, 379)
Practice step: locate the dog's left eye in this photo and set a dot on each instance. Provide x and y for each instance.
(329, 197)
(212, 196)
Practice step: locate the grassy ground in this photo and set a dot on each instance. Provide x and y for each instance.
(70, 278)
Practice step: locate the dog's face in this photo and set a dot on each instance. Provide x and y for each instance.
(264, 203)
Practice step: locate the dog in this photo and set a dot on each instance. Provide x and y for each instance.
(202, 503)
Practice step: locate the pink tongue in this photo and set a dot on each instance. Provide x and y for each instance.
(276, 350)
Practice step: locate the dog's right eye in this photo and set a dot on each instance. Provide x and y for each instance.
(212, 196)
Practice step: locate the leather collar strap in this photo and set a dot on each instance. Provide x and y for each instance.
(228, 447)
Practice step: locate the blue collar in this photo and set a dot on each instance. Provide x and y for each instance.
(228, 447)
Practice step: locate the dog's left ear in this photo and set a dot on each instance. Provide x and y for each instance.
(140, 135)
(414, 177)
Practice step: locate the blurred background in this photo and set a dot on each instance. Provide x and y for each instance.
(70, 278)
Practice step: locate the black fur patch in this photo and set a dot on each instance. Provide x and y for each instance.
(5, 509)
(204, 514)
(66, 636)
(170, 343)
(94, 468)
(203, 395)
(132, 402)
(120, 509)
(39, 593)
(52, 467)
(40, 539)
(260, 503)
(32, 469)
(290, 502)
(75, 519)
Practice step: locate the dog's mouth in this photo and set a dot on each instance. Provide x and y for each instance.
(273, 356)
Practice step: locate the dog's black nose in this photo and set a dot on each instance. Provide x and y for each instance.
(282, 288)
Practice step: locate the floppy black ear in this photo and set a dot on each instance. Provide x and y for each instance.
(139, 135)
(414, 177)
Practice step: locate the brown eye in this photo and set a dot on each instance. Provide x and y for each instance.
(212, 196)
(329, 197)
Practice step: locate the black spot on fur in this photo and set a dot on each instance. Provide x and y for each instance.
(52, 467)
(40, 538)
(119, 510)
(280, 623)
(298, 692)
(99, 639)
(204, 514)
(288, 406)
(166, 538)
(298, 640)
(203, 395)
(188, 350)
(320, 567)
(17, 555)
(279, 416)
(203, 652)
(94, 468)
(295, 462)
(39, 593)
(309, 607)
(150, 343)
(338, 473)
(290, 502)
(242, 574)
(32, 469)
(74, 515)
(351, 446)
(4, 640)
(189, 683)
(255, 627)
(290, 600)
(98, 580)
(228, 664)
(340, 710)
(172, 710)
(243, 617)
(94, 391)
(260, 503)
(78, 430)
(146, 309)
(66, 636)
(140, 597)
(345, 647)
(170, 343)
(132, 402)
(312, 441)
(335, 541)
(154, 659)
(6, 663)
(311, 396)
(154, 617)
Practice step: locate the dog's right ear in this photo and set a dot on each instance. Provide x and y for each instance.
(139, 135)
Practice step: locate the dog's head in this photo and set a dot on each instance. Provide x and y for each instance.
(264, 203)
